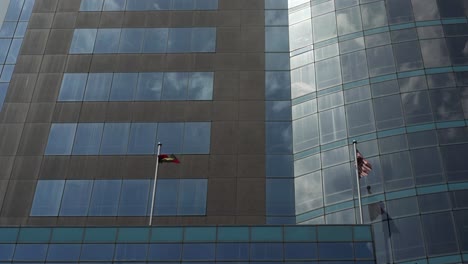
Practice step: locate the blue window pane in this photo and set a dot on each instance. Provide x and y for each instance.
(8, 30)
(166, 197)
(123, 86)
(197, 138)
(300, 251)
(206, 4)
(192, 197)
(14, 51)
(98, 87)
(134, 198)
(278, 138)
(3, 92)
(364, 250)
(175, 86)
(76, 196)
(91, 5)
(60, 139)
(203, 40)
(47, 198)
(149, 86)
(14, 10)
(131, 40)
(88, 138)
(105, 198)
(21, 29)
(279, 166)
(278, 85)
(201, 86)
(63, 252)
(183, 5)
(97, 252)
(6, 252)
(170, 135)
(73, 87)
(131, 252)
(280, 197)
(198, 252)
(30, 252)
(4, 47)
(27, 10)
(155, 40)
(115, 138)
(83, 41)
(7, 73)
(160, 4)
(107, 40)
(179, 40)
(136, 5)
(114, 5)
(142, 138)
(277, 61)
(266, 251)
(335, 251)
(232, 251)
(278, 110)
(165, 252)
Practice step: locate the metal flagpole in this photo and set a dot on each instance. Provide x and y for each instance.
(357, 181)
(154, 183)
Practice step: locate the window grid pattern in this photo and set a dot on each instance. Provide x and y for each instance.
(143, 40)
(148, 5)
(144, 86)
(12, 32)
(280, 197)
(65, 198)
(282, 244)
(128, 138)
(391, 75)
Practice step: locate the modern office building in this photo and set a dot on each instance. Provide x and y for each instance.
(260, 100)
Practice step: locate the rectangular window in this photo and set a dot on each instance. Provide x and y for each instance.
(47, 198)
(76, 196)
(147, 5)
(144, 86)
(88, 139)
(142, 40)
(60, 139)
(115, 139)
(105, 198)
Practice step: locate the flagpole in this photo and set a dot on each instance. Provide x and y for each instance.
(357, 181)
(154, 183)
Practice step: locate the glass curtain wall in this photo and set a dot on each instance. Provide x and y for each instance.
(391, 75)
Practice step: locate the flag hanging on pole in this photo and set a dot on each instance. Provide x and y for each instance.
(168, 158)
(364, 167)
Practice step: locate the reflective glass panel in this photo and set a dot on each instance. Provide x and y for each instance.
(76, 197)
(192, 197)
(200, 86)
(171, 134)
(88, 138)
(175, 86)
(60, 139)
(98, 87)
(107, 40)
(83, 41)
(123, 86)
(73, 87)
(47, 198)
(197, 138)
(115, 139)
(134, 198)
(149, 86)
(105, 198)
(166, 197)
(142, 138)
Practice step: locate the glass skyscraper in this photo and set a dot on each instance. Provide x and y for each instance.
(260, 100)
